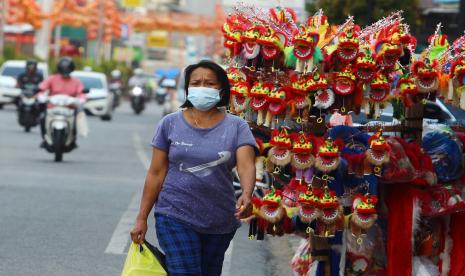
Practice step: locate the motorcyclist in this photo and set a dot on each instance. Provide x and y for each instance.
(115, 76)
(138, 79)
(63, 84)
(116, 85)
(31, 76)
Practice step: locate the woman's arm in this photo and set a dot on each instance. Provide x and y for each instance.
(153, 183)
(245, 157)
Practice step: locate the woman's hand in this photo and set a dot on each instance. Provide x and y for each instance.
(244, 207)
(138, 231)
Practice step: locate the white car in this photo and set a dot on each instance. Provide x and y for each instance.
(435, 112)
(9, 72)
(99, 99)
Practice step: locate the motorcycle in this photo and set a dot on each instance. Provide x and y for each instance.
(160, 95)
(261, 187)
(163, 89)
(116, 89)
(60, 125)
(28, 108)
(137, 99)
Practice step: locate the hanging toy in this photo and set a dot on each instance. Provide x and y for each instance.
(377, 155)
(378, 91)
(232, 32)
(259, 101)
(235, 75)
(309, 203)
(426, 78)
(305, 42)
(331, 214)
(457, 82)
(239, 91)
(239, 98)
(364, 213)
(301, 101)
(272, 47)
(302, 158)
(290, 196)
(272, 211)
(251, 48)
(318, 84)
(360, 245)
(365, 66)
(277, 105)
(344, 85)
(346, 50)
(328, 158)
(408, 89)
(280, 154)
(387, 54)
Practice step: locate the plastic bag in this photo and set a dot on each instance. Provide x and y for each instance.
(144, 260)
(81, 124)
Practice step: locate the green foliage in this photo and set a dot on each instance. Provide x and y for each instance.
(338, 10)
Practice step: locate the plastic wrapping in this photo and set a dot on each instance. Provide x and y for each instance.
(81, 124)
(446, 154)
(399, 169)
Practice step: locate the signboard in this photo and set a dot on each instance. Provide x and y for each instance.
(132, 3)
(158, 39)
(122, 54)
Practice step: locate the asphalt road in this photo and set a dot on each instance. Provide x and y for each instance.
(73, 218)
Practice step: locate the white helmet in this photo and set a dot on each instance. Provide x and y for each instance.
(116, 74)
(138, 72)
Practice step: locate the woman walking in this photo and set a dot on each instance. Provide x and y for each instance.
(190, 181)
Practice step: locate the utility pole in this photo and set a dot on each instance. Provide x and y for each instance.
(42, 36)
(99, 46)
(3, 14)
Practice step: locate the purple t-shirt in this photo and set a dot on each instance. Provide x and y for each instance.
(198, 189)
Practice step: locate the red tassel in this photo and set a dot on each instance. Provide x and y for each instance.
(399, 200)
(358, 97)
(287, 225)
(457, 255)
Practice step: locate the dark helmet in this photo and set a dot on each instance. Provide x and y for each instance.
(65, 66)
(31, 65)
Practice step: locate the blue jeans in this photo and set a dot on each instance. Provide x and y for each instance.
(189, 253)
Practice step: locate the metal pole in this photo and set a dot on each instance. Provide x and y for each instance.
(57, 39)
(98, 50)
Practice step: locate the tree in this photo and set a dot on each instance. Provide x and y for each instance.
(365, 12)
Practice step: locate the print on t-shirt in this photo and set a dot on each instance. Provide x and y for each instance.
(224, 156)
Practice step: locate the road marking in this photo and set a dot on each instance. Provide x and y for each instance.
(141, 153)
(120, 238)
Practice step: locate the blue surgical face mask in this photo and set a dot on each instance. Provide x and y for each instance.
(203, 98)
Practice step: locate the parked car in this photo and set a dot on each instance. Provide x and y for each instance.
(9, 72)
(99, 99)
(435, 112)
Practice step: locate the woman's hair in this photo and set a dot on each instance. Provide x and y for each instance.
(220, 74)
